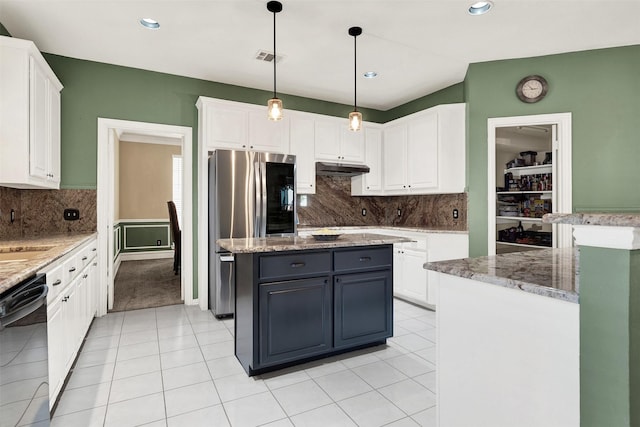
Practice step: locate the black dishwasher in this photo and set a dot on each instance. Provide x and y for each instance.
(24, 372)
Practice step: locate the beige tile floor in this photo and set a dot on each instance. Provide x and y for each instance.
(174, 366)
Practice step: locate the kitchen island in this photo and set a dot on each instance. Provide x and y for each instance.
(508, 339)
(299, 299)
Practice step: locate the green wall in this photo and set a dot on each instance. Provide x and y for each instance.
(600, 88)
(449, 95)
(4, 31)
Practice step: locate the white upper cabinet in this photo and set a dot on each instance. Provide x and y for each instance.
(267, 135)
(394, 158)
(370, 184)
(336, 143)
(424, 153)
(237, 126)
(29, 117)
(302, 142)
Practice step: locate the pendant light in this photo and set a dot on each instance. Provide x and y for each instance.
(355, 117)
(274, 105)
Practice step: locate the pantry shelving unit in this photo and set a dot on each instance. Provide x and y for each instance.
(524, 207)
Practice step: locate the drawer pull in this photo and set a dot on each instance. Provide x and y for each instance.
(85, 276)
(84, 258)
(57, 282)
(365, 258)
(298, 264)
(72, 269)
(94, 249)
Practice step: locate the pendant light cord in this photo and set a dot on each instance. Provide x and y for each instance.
(275, 57)
(355, 74)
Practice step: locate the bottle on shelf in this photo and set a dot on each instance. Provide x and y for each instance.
(519, 229)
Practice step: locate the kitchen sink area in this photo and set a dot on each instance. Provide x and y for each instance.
(21, 254)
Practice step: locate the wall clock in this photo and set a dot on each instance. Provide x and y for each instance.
(532, 88)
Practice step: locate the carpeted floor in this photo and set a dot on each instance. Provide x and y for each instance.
(145, 284)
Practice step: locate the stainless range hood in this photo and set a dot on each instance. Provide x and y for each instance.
(340, 169)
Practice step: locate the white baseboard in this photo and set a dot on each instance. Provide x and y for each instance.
(116, 265)
(138, 256)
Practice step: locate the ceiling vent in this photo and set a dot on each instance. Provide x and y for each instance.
(266, 56)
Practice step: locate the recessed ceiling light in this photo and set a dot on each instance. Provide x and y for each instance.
(150, 23)
(480, 8)
(370, 74)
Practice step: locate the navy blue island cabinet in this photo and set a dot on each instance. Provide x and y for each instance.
(296, 306)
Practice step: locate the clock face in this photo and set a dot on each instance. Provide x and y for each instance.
(532, 89)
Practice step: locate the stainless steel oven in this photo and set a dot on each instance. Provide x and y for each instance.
(24, 372)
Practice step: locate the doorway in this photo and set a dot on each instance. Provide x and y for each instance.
(109, 132)
(529, 174)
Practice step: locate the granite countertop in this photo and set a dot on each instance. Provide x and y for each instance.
(13, 272)
(606, 219)
(305, 228)
(297, 243)
(547, 272)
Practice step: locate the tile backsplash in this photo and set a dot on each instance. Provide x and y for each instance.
(40, 212)
(333, 205)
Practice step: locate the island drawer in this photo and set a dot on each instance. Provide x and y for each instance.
(362, 258)
(295, 264)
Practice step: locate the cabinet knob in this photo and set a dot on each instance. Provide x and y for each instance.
(95, 264)
(84, 258)
(244, 146)
(65, 299)
(409, 186)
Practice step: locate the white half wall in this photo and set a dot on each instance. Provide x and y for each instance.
(506, 357)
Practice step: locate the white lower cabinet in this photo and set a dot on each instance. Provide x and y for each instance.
(409, 277)
(71, 308)
(410, 280)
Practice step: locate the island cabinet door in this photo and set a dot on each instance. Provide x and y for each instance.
(295, 320)
(363, 308)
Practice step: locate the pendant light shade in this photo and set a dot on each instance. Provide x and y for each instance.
(355, 117)
(274, 105)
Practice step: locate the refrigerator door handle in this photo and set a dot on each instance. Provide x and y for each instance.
(257, 220)
(263, 207)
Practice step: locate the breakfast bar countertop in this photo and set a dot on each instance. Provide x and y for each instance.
(297, 243)
(546, 272)
(49, 248)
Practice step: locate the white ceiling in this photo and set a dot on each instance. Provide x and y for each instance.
(417, 47)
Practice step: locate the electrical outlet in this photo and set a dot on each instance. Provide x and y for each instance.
(455, 214)
(364, 212)
(71, 214)
(158, 242)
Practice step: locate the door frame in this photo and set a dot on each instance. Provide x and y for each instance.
(108, 130)
(562, 160)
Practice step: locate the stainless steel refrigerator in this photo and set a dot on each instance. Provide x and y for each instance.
(251, 194)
